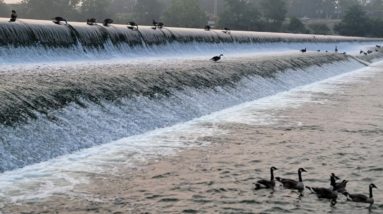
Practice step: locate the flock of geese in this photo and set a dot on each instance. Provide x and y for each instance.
(322, 192)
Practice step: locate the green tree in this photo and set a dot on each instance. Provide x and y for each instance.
(95, 8)
(344, 5)
(319, 28)
(296, 26)
(46, 9)
(4, 9)
(274, 13)
(183, 13)
(354, 23)
(147, 10)
(240, 15)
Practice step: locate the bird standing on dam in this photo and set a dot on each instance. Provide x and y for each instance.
(57, 20)
(304, 50)
(91, 21)
(216, 58)
(107, 22)
(133, 25)
(13, 16)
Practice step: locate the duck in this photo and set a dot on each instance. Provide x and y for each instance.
(216, 58)
(58, 20)
(266, 184)
(339, 187)
(360, 198)
(304, 50)
(107, 22)
(293, 184)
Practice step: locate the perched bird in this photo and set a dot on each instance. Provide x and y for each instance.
(360, 198)
(304, 50)
(361, 52)
(58, 20)
(132, 25)
(266, 184)
(226, 30)
(369, 51)
(318, 51)
(207, 27)
(107, 22)
(91, 21)
(336, 49)
(293, 184)
(13, 16)
(378, 46)
(156, 25)
(216, 58)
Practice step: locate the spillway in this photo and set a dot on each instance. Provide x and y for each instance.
(69, 87)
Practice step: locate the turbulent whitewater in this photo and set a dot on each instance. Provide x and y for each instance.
(78, 95)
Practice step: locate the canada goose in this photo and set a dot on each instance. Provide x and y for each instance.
(58, 20)
(360, 198)
(266, 184)
(325, 193)
(339, 187)
(207, 28)
(304, 50)
(293, 184)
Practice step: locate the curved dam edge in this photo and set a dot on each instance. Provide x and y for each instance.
(44, 41)
(24, 94)
(74, 107)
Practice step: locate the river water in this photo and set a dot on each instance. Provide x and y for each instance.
(209, 164)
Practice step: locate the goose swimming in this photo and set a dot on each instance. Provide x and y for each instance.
(360, 198)
(326, 193)
(266, 184)
(339, 187)
(293, 184)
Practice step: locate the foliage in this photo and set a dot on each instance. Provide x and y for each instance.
(183, 13)
(274, 13)
(4, 9)
(147, 10)
(319, 28)
(240, 15)
(296, 26)
(95, 8)
(45, 9)
(354, 23)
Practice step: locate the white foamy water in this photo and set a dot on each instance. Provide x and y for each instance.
(62, 174)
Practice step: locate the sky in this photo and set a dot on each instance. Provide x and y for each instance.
(12, 1)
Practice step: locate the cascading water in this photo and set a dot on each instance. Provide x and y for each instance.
(48, 110)
(44, 41)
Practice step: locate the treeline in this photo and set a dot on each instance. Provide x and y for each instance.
(358, 17)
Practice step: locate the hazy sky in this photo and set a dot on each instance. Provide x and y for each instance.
(11, 1)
